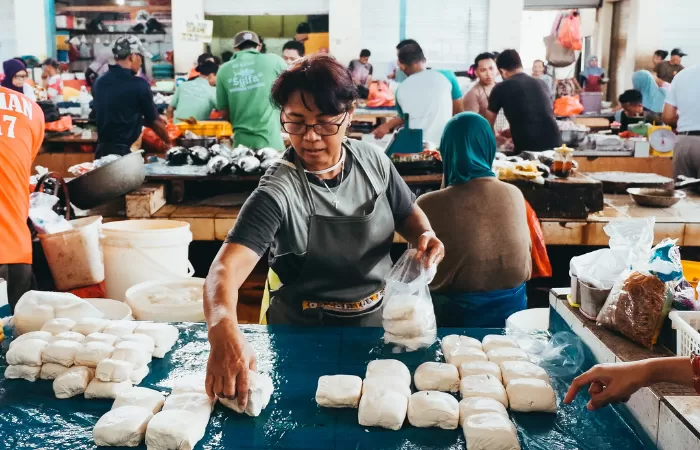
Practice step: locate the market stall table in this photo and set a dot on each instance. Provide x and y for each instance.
(31, 417)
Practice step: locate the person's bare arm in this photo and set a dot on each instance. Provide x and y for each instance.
(369, 81)
(491, 117)
(457, 106)
(471, 102)
(170, 113)
(670, 115)
(417, 231)
(231, 356)
(385, 128)
(159, 126)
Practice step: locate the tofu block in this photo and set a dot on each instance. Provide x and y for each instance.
(490, 431)
(530, 395)
(103, 389)
(41, 335)
(164, 336)
(55, 326)
(388, 367)
(137, 375)
(89, 325)
(503, 354)
(144, 340)
(113, 370)
(433, 409)
(479, 405)
(50, 371)
(60, 352)
(109, 339)
(260, 390)
(450, 343)
(69, 336)
(463, 355)
(175, 430)
(92, 353)
(434, 376)
(386, 383)
(120, 327)
(483, 386)
(190, 383)
(494, 341)
(522, 369)
(122, 427)
(132, 352)
(382, 408)
(339, 391)
(17, 372)
(150, 399)
(73, 381)
(26, 353)
(480, 368)
(193, 402)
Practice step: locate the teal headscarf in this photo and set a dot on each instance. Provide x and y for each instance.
(468, 148)
(653, 97)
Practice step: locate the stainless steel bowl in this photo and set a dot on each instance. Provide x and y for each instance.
(572, 138)
(655, 198)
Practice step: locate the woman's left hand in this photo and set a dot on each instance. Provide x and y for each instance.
(430, 246)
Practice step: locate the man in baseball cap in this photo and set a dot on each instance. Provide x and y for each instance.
(667, 70)
(123, 102)
(243, 88)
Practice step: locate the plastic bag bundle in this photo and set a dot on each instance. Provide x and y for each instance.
(563, 356)
(43, 216)
(408, 316)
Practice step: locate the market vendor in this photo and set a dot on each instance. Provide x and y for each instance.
(195, 98)
(243, 93)
(481, 282)
(593, 76)
(123, 102)
(21, 136)
(327, 211)
(653, 96)
(682, 110)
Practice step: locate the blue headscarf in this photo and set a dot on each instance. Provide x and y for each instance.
(468, 148)
(590, 70)
(653, 97)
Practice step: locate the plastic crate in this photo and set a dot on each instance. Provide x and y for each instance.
(209, 128)
(687, 325)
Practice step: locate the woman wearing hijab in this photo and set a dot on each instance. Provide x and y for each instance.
(593, 76)
(16, 77)
(653, 97)
(482, 223)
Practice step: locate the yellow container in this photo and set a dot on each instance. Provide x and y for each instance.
(691, 272)
(208, 128)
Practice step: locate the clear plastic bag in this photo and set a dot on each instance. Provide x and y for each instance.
(408, 315)
(563, 356)
(42, 215)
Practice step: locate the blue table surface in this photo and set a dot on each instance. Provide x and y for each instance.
(31, 416)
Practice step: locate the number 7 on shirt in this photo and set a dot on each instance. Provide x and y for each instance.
(11, 127)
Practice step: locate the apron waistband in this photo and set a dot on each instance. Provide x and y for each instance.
(346, 307)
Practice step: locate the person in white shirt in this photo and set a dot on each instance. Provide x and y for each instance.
(424, 98)
(682, 110)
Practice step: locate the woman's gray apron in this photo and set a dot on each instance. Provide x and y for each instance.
(346, 261)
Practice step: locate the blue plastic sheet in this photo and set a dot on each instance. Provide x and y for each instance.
(32, 418)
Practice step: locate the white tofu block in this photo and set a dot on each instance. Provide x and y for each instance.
(408, 328)
(164, 336)
(260, 390)
(89, 325)
(69, 336)
(191, 383)
(386, 383)
(175, 430)
(102, 389)
(490, 431)
(73, 381)
(433, 409)
(120, 327)
(92, 353)
(55, 326)
(434, 376)
(531, 394)
(26, 353)
(411, 344)
(479, 405)
(133, 353)
(51, 371)
(503, 354)
(463, 355)
(60, 352)
(199, 404)
(480, 368)
(494, 341)
(388, 367)
(109, 339)
(450, 343)
(385, 409)
(403, 307)
(483, 386)
(42, 335)
(522, 369)
(16, 372)
(150, 399)
(142, 339)
(122, 427)
(137, 375)
(113, 370)
(339, 391)
(76, 310)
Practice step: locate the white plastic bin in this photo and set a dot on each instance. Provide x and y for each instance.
(687, 326)
(166, 310)
(74, 256)
(136, 251)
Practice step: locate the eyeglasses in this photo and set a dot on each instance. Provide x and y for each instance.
(21, 77)
(322, 129)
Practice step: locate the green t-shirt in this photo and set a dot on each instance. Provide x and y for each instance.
(243, 88)
(194, 98)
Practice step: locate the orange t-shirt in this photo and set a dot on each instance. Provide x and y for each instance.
(21, 135)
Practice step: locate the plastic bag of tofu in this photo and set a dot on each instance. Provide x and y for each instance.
(408, 317)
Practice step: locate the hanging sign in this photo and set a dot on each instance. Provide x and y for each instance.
(198, 30)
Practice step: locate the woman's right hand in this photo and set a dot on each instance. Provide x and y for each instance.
(610, 383)
(230, 358)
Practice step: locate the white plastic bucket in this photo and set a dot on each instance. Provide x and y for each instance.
(136, 251)
(74, 256)
(165, 311)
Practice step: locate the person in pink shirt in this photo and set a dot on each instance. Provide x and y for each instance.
(52, 80)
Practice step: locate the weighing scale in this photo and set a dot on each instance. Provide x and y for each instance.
(662, 140)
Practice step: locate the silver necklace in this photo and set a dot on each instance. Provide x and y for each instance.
(342, 175)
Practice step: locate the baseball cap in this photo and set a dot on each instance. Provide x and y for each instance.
(678, 52)
(129, 45)
(51, 62)
(245, 36)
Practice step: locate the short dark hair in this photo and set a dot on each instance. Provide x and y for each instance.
(482, 57)
(538, 61)
(322, 77)
(201, 59)
(207, 68)
(411, 54)
(303, 28)
(247, 45)
(226, 56)
(406, 42)
(294, 45)
(509, 60)
(630, 96)
(365, 53)
(661, 54)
